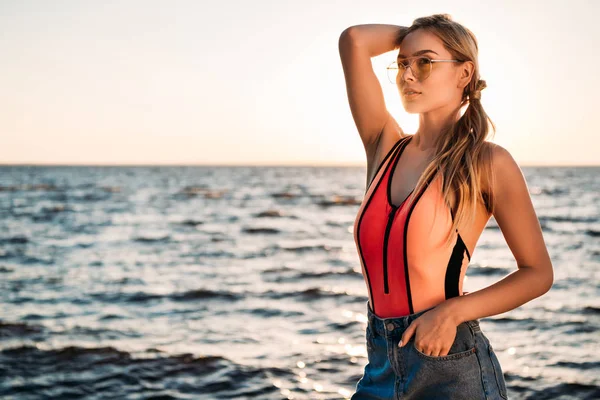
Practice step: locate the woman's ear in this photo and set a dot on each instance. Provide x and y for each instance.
(466, 73)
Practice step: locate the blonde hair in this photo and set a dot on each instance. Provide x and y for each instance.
(460, 155)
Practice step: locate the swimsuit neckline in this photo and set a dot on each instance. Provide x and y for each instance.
(391, 174)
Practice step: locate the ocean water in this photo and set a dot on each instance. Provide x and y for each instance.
(244, 282)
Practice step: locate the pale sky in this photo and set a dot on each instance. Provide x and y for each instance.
(261, 82)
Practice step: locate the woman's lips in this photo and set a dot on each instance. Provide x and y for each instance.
(411, 95)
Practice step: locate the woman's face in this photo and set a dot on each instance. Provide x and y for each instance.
(444, 84)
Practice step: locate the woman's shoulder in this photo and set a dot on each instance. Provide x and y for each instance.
(499, 157)
(502, 164)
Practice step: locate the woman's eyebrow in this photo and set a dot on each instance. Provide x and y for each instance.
(418, 53)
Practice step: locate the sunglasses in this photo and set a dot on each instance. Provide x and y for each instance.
(421, 70)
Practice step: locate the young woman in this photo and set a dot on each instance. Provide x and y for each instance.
(428, 198)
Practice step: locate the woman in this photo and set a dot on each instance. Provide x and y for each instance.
(429, 196)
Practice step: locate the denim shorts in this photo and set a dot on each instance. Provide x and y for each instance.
(469, 371)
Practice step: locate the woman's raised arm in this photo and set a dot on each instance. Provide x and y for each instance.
(357, 44)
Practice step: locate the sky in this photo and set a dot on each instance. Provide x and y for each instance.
(261, 83)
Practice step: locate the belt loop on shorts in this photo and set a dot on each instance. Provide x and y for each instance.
(474, 325)
(371, 320)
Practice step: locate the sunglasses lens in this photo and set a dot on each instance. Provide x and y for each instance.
(421, 68)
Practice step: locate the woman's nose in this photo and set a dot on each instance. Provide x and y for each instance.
(412, 77)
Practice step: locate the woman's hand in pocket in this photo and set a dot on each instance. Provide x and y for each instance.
(434, 331)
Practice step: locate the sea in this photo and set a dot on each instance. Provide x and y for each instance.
(244, 282)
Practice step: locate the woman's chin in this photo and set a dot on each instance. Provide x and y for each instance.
(411, 109)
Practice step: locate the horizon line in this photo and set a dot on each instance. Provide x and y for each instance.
(25, 164)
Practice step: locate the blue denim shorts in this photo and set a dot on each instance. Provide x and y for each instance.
(469, 371)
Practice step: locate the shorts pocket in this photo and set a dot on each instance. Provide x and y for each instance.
(463, 345)
(498, 372)
(449, 356)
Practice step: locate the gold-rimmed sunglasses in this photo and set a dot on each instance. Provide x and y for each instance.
(421, 70)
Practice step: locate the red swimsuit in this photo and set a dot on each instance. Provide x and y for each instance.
(406, 266)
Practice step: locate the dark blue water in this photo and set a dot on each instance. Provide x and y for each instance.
(244, 282)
